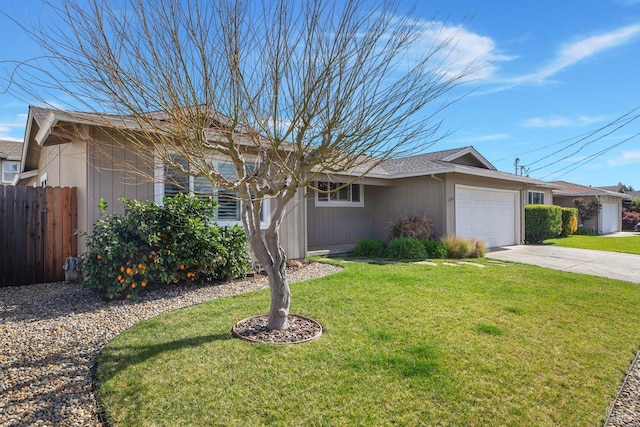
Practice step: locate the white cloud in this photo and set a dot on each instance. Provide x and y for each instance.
(625, 158)
(580, 50)
(12, 129)
(461, 51)
(547, 122)
(560, 121)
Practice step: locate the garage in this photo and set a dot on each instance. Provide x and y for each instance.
(610, 216)
(488, 214)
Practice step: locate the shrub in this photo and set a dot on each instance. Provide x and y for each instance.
(542, 222)
(369, 247)
(434, 249)
(457, 247)
(630, 219)
(405, 248)
(569, 221)
(635, 205)
(161, 244)
(587, 210)
(478, 248)
(414, 226)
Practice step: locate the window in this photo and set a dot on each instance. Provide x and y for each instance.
(536, 198)
(338, 194)
(175, 181)
(9, 171)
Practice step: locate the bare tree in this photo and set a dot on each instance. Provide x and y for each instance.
(284, 90)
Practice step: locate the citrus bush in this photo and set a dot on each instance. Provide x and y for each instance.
(161, 244)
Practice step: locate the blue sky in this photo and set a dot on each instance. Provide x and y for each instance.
(556, 76)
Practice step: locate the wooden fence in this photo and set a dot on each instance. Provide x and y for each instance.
(37, 233)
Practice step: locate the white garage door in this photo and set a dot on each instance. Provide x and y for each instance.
(610, 218)
(487, 214)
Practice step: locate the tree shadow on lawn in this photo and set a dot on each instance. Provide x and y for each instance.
(112, 356)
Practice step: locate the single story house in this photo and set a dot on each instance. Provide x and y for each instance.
(458, 189)
(629, 195)
(10, 155)
(609, 217)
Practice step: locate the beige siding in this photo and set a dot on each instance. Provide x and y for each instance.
(327, 226)
(113, 173)
(420, 195)
(293, 231)
(330, 226)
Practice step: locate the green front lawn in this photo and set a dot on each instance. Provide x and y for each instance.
(629, 244)
(403, 344)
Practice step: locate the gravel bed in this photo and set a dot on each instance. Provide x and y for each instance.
(51, 336)
(625, 409)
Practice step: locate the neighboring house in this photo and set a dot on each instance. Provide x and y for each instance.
(10, 155)
(459, 190)
(629, 195)
(608, 219)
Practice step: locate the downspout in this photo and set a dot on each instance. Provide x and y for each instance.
(600, 224)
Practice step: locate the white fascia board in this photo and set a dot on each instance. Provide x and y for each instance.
(46, 128)
(475, 153)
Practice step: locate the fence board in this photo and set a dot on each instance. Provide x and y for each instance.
(37, 233)
(19, 246)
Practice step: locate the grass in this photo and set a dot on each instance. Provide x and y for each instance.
(403, 344)
(628, 244)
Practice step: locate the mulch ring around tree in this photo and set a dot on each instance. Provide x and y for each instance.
(301, 329)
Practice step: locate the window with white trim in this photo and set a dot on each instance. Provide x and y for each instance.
(535, 198)
(339, 194)
(228, 212)
(9, 171)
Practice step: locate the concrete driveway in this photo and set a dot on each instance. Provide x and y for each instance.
(597, 263)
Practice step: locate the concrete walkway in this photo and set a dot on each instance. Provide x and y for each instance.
(597, 263)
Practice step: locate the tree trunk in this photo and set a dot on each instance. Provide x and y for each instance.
(266, 247)
(280, 296)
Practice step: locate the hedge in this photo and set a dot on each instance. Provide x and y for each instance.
(542, 222)
(569, 221)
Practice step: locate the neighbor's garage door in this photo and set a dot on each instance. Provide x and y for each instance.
(487, 214)
(610, 217)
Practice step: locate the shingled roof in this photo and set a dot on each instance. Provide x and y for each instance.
(10, 150)
(570, 189)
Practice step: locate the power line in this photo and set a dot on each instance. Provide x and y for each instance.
(586, 139)
(590, 158)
